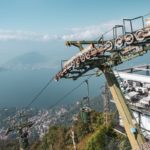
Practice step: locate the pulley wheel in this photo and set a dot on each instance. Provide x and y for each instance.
(119, 42)
(82, 58)
(108, 46)
(129, 38)
(87, 55)
(139, 35)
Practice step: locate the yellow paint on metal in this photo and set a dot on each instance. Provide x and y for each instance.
(136, 140)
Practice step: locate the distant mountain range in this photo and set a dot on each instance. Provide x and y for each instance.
(29, 58)
(32, 60)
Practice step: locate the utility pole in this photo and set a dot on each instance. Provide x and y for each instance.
(73, 139)
(51, 147)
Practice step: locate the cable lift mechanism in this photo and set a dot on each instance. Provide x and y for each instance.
(104, 55)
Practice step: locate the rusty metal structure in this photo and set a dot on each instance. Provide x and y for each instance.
(104, 54)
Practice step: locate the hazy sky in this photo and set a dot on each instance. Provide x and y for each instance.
(44, 25)
(32, 36)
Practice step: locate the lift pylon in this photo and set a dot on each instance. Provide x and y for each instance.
(23, 134)
(104, 55)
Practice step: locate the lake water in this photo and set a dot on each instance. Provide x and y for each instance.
(18, 87)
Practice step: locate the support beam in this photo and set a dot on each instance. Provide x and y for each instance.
(136, 139)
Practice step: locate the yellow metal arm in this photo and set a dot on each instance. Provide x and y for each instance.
(80, 43)
(133, 132)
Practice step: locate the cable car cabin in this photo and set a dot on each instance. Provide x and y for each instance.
(85, 114)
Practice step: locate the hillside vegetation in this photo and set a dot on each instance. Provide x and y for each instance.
(90, 135)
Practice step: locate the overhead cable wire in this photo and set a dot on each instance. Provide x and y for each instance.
(146, 14)
(107, 31)
(98, 38)
(40, 92)
(68, 93)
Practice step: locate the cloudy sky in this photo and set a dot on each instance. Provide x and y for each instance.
(44, 25)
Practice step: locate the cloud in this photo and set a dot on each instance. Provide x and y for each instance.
(6, 35)
(76, 33)
(89, 32)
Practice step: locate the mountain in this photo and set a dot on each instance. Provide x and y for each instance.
(29, 58)
(32, 60)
